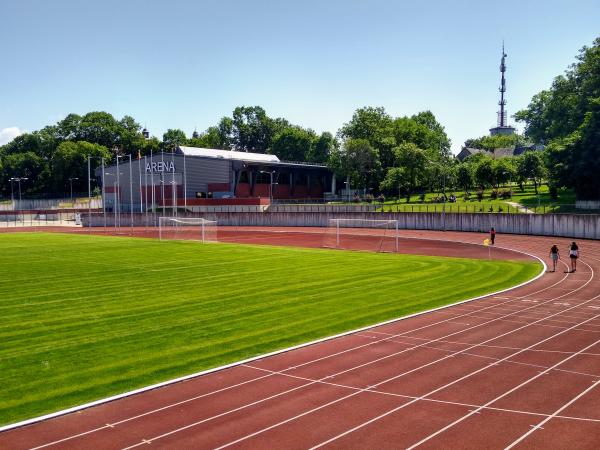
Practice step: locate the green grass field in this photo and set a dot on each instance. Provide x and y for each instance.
(85, 317)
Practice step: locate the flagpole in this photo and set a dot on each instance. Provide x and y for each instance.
(152, 179)
(140, 176)
(131, 192)
(173, 187)
(184, 184)
(146, 188)
(103, 196)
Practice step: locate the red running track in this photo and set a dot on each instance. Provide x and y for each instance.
(518, 369)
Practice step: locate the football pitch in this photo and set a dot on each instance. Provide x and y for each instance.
(85, 317)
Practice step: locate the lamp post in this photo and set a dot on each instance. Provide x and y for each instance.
(12, 193)
(18, 180)
(347, 183)
(71, 185)
(115, 187)
(118, 192)
(270, 184)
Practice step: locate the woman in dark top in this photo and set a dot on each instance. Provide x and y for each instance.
(573, 254)
(492, 235)
(555, 256)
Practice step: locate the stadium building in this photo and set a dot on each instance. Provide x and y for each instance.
(201, 176)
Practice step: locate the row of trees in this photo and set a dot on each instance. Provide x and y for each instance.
(377, 147)
(566, 118)
(51, 156)
(479, 171)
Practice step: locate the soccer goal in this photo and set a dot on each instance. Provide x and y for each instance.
(362, 234)
(189, 228)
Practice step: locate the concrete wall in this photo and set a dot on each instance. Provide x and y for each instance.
(587, 204)
(57, 203)
(568, 225)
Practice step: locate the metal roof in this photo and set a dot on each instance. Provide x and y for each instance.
(228, 154)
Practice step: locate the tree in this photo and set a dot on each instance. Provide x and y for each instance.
(357, 160)
(293, 144)
(565, 117)
(322, 148)
(484, 172)
(252, 129)
(173, 138)
(70, 161)
(414, 162)
(25, 165)
(464, 175)
(438, 138)
(98, 127)
(396, 178)
(504, 170)
(531, 166)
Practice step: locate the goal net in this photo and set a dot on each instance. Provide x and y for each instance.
(190, 228)
(362, 234)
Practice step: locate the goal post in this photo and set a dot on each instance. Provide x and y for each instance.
(362, 234)
(187, 228)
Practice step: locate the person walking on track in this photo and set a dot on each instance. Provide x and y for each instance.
(554, 256)
(573, 254)
(492, 235)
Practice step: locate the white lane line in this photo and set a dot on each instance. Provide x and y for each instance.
(492, 306)
(488, 346)
(457, 421)
(414, 370)
(277, 352)
(562, 408)
(354, 368)
(519, 363)
(362, 425)
(412, 397)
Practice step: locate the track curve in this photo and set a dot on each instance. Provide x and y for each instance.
(520, 369)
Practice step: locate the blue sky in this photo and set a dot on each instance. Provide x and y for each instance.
(185, 64)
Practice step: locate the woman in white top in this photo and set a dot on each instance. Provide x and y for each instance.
(573, 254)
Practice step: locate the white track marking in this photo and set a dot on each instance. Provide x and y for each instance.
(412, 397)
(555, 414)
(489, 346)
(75, 409)
(491, 306)
(433, 392)
(457, 421)
(206, 372)
(406, 373)
(360, 366)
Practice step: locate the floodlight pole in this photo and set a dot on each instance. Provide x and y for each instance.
(184, 184)
(162, 181)
(89, 192)
(118, 194)
(103, 196)
(18, 180)
(71, 185)
(146, 188)
(444, 202)
(152, 178)
(131, 192)
(270, 184)
(140, 177)
(115, 208)
(173, 187)
(12, 193)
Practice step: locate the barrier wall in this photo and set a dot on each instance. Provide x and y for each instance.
(567, 225)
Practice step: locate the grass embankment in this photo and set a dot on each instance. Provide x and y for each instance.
(85, 317)
(522, 201)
